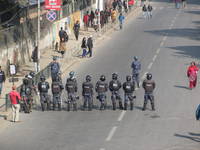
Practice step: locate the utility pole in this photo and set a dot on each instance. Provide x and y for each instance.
(38, 37)
(98, 7)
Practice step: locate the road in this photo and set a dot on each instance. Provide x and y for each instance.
(165, 44)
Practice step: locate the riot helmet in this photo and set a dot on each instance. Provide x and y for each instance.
(135, 58)
(88, 78)
(71, 74)
(114, 76)
(128, 78)
(149, 76)
(102, 78)
(42, 78)
(32, 74)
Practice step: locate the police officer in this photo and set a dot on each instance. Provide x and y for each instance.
(136, 68)
(114, 87)
(57, 88)
(87, 93)
(72, 88)
(55, 68)
(129, 88)
(149, 86)
(43, 88)
(101, 89)
(26, 94)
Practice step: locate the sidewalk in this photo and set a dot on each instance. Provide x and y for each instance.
(70, 58)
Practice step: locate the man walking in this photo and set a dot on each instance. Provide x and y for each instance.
(34, 57)
(2, 79)
(76, 29)
(15, 98)
(121, 20)
(90, 45)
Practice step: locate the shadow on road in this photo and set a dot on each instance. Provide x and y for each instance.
(187, 51)
(190, 137)
(193, 12)
(183, 87)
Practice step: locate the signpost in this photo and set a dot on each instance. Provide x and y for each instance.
(53, 4)
(51, 16)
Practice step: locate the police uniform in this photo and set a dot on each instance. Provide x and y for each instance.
(87, 94)
(101, 89)
(114, 87)
(71, 88)
(129, 88)
(57, 88)
(43, 88)
(149, 86)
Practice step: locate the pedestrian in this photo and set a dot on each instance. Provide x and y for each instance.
(136, 68)
(84, 47)
(184, 3)
(76, 29)
(90, 45)
(149, 86)
(87, 92)
(95, 24)
(113, 15)
(72, 89)
(2, 80)
(177, 3)
(57, 88)
(15, 98)
(149, 8)
(115, 86)
(55, 68)
(192, 75)
(114, 4)
(101, 89)
(120, 5)
(91, 19)
(61, 33)
(129, 88)
(125, 6)
(62, 47)
(34, 57)
(121, 19)
(144, 11)
(86, 21)
(43, 88)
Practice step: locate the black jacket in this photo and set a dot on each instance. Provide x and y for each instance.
(34, 55)
(90, 42)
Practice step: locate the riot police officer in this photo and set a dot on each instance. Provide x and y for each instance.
(72, 88)
(136, 67)
(26, 94)
(114, 87)
(101, 89)
(57, 88)
(129, 88)
(87, 93)
(149, 86)
(43, 88)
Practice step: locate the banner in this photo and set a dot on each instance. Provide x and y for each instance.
(53, 4)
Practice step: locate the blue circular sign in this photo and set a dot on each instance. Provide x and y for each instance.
(51, 15)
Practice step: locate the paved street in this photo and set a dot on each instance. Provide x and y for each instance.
(165, 44)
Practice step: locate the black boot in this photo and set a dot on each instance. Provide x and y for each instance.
(43, 108)
(54, 106)
(132, 104)
(101, 107)
(125, 106)
(74, 107)
(114, 105)
(120, 105)
(84, 105)
(90, 106)
(153, 106)
(68, 106)
(59, 107)
(144, 106)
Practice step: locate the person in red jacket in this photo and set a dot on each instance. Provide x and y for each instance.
(86, 20)
(192, 75)
(15, 98)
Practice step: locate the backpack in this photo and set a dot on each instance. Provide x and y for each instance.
(198, 113)
(56, 87)
(28, 91)
(55, 67)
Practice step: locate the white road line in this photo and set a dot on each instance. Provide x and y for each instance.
(158, 50)
(162, 43)
(154, 58)
(164, 38)
(150, 65)
(121, 116)
(112, 132)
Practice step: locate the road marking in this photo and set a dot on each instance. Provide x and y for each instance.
(150, 65)
(162, 43)
(154, 58)
(158, 50)
(121, 116)
(164, 38)
(112, 132)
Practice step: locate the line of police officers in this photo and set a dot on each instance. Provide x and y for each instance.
(88, 91)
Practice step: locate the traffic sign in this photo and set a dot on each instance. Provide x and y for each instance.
(51, 16)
